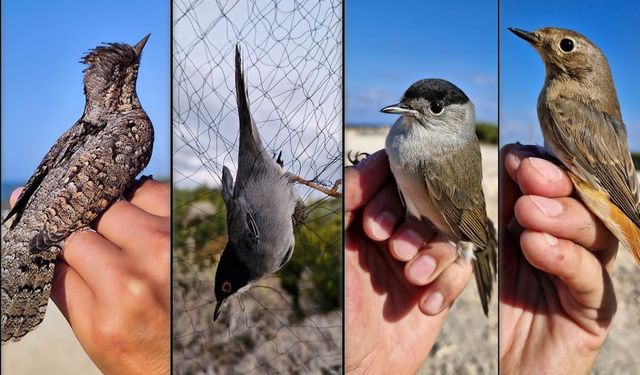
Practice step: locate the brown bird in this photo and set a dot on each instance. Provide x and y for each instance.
(88, 168)
(582, 127)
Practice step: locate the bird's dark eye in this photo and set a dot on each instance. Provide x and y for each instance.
(436, 108)
(226, 287)
(566, 45)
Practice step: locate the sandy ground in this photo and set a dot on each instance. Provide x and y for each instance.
(51, 348)
(468, 341)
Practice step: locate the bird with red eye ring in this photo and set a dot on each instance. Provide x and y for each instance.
(226, 287)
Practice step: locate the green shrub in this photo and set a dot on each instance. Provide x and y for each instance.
(318, 251)
(636, 159)
(487, 133)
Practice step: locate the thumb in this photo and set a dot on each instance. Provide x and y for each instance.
(15, 195)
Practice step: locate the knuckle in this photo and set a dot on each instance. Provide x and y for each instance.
(159, 240)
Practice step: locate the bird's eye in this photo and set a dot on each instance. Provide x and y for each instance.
(436, 108)
(226, 287)
(566, 45)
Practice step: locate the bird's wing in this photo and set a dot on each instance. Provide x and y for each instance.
(454, 181)
(595, 149)
(91, 181)
(66, 145)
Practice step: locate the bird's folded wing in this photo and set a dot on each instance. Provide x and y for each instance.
(66, 145)
(455, 183)
(595, 144)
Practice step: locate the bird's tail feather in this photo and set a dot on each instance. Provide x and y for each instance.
(485, 266)
(620, 225)
(26, 285)
(249, 137)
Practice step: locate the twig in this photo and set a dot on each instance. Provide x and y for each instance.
(333, 192)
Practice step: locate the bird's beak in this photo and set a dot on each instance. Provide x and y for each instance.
(397, 109)
(140, 45)
(216, 312)
(530, 37)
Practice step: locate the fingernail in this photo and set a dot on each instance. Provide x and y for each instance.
(549, 239)
(421, 268)
(515, 157)
(383, 224)
(368, 160)
(548, 170)
(433, 303)
(406, 247)
(549, 207)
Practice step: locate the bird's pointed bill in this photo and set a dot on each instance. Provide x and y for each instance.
(396, 109)
(526, 35)
(216, 312)
(140, 45)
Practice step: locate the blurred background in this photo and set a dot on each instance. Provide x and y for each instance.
(614, 28)
(389, 46)
(42, 96)
(290, 322)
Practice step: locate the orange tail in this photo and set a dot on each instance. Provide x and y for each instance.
(611, 216)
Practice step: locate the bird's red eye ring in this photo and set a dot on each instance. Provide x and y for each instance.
(226, 287)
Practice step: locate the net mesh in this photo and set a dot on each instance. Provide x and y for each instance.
(292, 57)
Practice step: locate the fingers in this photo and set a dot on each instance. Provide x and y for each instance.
(542, 177)
(152, 196)
(565, 218)
(93, 257)
(578, 268)
(131, 228)
(15, 195)
(432, 260)
(535, 175)
(446, 288)
(383, 213)
(71, 294)
(365, 179)
(408, 239)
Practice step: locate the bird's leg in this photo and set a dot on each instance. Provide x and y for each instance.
(279, 160)
(359, 156)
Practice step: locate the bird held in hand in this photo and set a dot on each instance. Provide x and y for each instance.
(582, 127)
(435, 158)
(88, 168)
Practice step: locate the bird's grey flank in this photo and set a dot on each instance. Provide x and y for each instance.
(435, 159)
(260, 207)
(88, 168)
(582, 127)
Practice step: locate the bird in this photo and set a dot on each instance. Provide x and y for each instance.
(260, 209)
(582, 126)
(88, 168)
(434, 155)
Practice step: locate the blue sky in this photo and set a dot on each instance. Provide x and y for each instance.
(390, 45)
(42, 44)
(613, 26)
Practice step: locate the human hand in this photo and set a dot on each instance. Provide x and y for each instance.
(401, 277)
(556, 297)
(112, 285)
